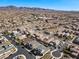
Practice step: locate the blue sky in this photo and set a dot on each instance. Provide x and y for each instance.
(50, 4)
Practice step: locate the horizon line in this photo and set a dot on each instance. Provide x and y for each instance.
(41, 8)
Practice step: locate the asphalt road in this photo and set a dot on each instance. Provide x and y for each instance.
(21, 51)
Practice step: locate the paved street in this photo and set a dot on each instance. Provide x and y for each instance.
(21, 51)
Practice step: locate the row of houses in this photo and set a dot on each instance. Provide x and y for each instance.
(6, 48)
(35, 47)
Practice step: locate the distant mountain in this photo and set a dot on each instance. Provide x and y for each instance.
(34, 9)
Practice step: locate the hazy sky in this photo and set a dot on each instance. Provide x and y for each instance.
(51, 4)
